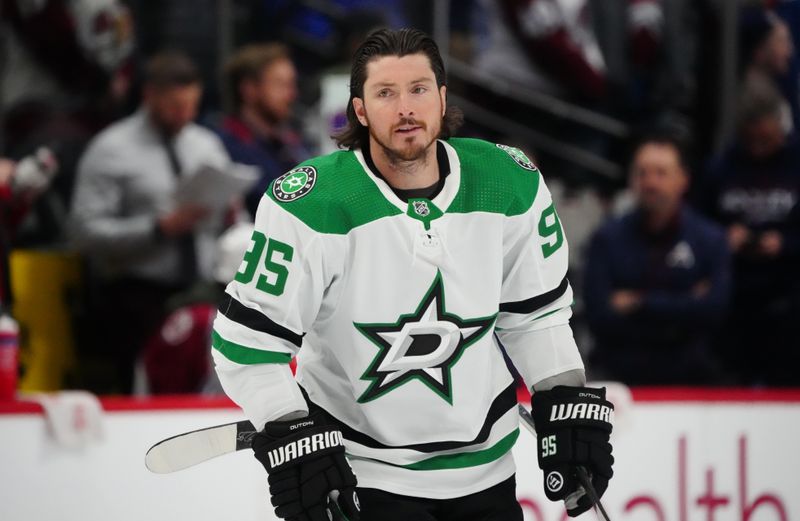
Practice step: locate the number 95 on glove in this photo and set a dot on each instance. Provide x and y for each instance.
(309, 477)
(574, 426)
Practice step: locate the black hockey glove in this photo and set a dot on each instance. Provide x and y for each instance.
(306, 465)
(573, 425)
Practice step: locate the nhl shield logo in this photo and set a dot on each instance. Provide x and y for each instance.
(421, 208)
(294, 184)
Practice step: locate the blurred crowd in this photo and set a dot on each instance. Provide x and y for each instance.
(140, 137)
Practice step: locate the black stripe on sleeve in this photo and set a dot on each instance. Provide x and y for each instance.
(537, 302)
(504, 401)
(255, 320)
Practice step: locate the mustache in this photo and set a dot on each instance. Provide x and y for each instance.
(404, 122)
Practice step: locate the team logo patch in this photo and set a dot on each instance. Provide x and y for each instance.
(518, 156)
(555, 481)
(421, 208)
(423, 345)
(294, 184)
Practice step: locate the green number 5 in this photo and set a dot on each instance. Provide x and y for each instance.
(273, 266)
(549, 225)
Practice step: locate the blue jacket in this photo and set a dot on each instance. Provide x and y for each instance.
(762, 195)
(666, 340)
(272, 156)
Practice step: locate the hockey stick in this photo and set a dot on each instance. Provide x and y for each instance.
(583, 474)
(190, 448)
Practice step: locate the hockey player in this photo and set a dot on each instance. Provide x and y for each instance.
(397, 264)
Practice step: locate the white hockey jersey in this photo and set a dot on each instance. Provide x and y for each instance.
(394, 308)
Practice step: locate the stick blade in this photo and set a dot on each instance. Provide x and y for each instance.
(188, 449)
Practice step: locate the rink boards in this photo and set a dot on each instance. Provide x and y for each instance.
(682, 455)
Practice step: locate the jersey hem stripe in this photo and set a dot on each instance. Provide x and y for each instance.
(503, 402)
(462, 460)
(442, 484)
(538, 302)
(468, 459)
(246, 355)
(254, 319)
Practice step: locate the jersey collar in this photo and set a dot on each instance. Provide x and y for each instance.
(443, 199)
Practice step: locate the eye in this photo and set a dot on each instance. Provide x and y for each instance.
(384, 93)
(419, 89)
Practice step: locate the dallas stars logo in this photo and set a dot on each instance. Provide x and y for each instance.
(423, 345)
(295, 184)
(518, 156)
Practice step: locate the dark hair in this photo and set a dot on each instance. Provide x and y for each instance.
(387, 42)
(664, 137)
(755, 26)
(248, 63)
(170, 69)
(758, 99)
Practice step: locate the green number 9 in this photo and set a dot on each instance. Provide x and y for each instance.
(550, 229)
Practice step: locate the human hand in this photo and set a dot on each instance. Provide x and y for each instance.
(701, 289)
(574, 427)
(738, 236)
(309, 476)
(770, 244)
(182, 220)
(625, 301)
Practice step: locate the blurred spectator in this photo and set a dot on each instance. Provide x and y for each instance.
(657, 279)
(754, 189)
(767, 50)
(59, 49)
(67, 71)
(124, 214)
(651, 50)
(545, 46)
(789, 83)
(261, 83)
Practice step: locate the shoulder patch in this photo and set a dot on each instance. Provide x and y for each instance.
(518, 156)
(294, 184)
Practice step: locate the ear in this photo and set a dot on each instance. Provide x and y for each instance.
(443, 96)
(361, 113)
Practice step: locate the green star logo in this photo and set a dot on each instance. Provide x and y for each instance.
(294, 184)
(518, 156)
(423, 345)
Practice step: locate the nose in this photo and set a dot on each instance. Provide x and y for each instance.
(404, 108)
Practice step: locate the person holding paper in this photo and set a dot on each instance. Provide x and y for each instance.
(125, 216)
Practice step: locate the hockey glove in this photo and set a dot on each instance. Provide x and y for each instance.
(305, 461)
(573, 425)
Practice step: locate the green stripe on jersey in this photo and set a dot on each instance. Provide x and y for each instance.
(343, 198)
(247, 355)
(467, 459)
